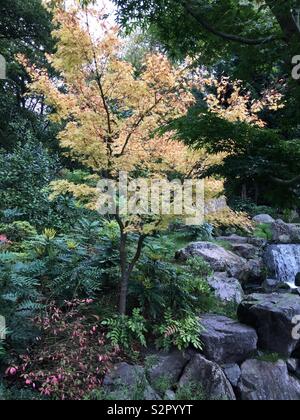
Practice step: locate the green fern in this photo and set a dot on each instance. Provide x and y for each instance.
(123, 331)
(180, 333)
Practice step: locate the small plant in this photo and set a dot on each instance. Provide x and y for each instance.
(263, 231)
(199, 267)
(269, 357)
(180, 333)
(162, 384)
(124, 331)
(191, 392)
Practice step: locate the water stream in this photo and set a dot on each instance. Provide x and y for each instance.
(284, 262)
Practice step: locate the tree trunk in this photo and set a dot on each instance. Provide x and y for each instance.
(123, 294)
(124, 275)
(244, 192)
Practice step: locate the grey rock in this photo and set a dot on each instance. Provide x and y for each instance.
(236, 239)
(255, 270)
(167, 366)
(272, 317)
(246, 251)
(270, 285)
(210, 378)
(232, 373)
(263, 219)
(218, 258)
(258, 242)
(227, 341)
(285, 233)
(264, 381)
(227, 289)
(233, 239)
(124, 380)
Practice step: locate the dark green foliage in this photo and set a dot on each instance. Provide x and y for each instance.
(25, 175)
(258, 161)
(25, 28)
(251, 41)
(20, 297)
(18, 231)
(158, 286)
(252, 208)
(264, 231)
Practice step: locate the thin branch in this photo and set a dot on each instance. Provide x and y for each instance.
(284, 182)
(137, 254)
(230, 37)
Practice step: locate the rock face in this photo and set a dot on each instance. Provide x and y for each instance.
(232, 373)
(210, 378)
(218, 258)
(227, 289)
(272, 316)
(261, 381)
(263, 219)
(284, 233)
(237, 240)
(168, 366)
(246, 251)
(124, 380)
(227, 341)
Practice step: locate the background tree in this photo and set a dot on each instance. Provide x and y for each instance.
(25, 27)
(249, 41)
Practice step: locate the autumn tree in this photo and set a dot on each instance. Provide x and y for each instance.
(111, 115)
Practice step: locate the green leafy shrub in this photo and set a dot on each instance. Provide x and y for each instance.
(252, 209)
(158, 286)
(125, 331)
(20, 296)
(18, 231)
(263, 231)
(180, 333)
(191, 392)
(25, 174)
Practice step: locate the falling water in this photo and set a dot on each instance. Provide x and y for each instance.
(284, 262)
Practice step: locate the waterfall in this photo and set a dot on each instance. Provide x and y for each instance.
(283, 261)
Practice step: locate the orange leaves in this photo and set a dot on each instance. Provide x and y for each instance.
(234, 104)
(111, 115)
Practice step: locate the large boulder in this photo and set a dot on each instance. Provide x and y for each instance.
(227, 289)
(227, 341)
(125, 381)
(285, 233)
(264, 381)
(167, 367)
(210, 378)
(263, 219)
(218, 258)
(272, 315)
